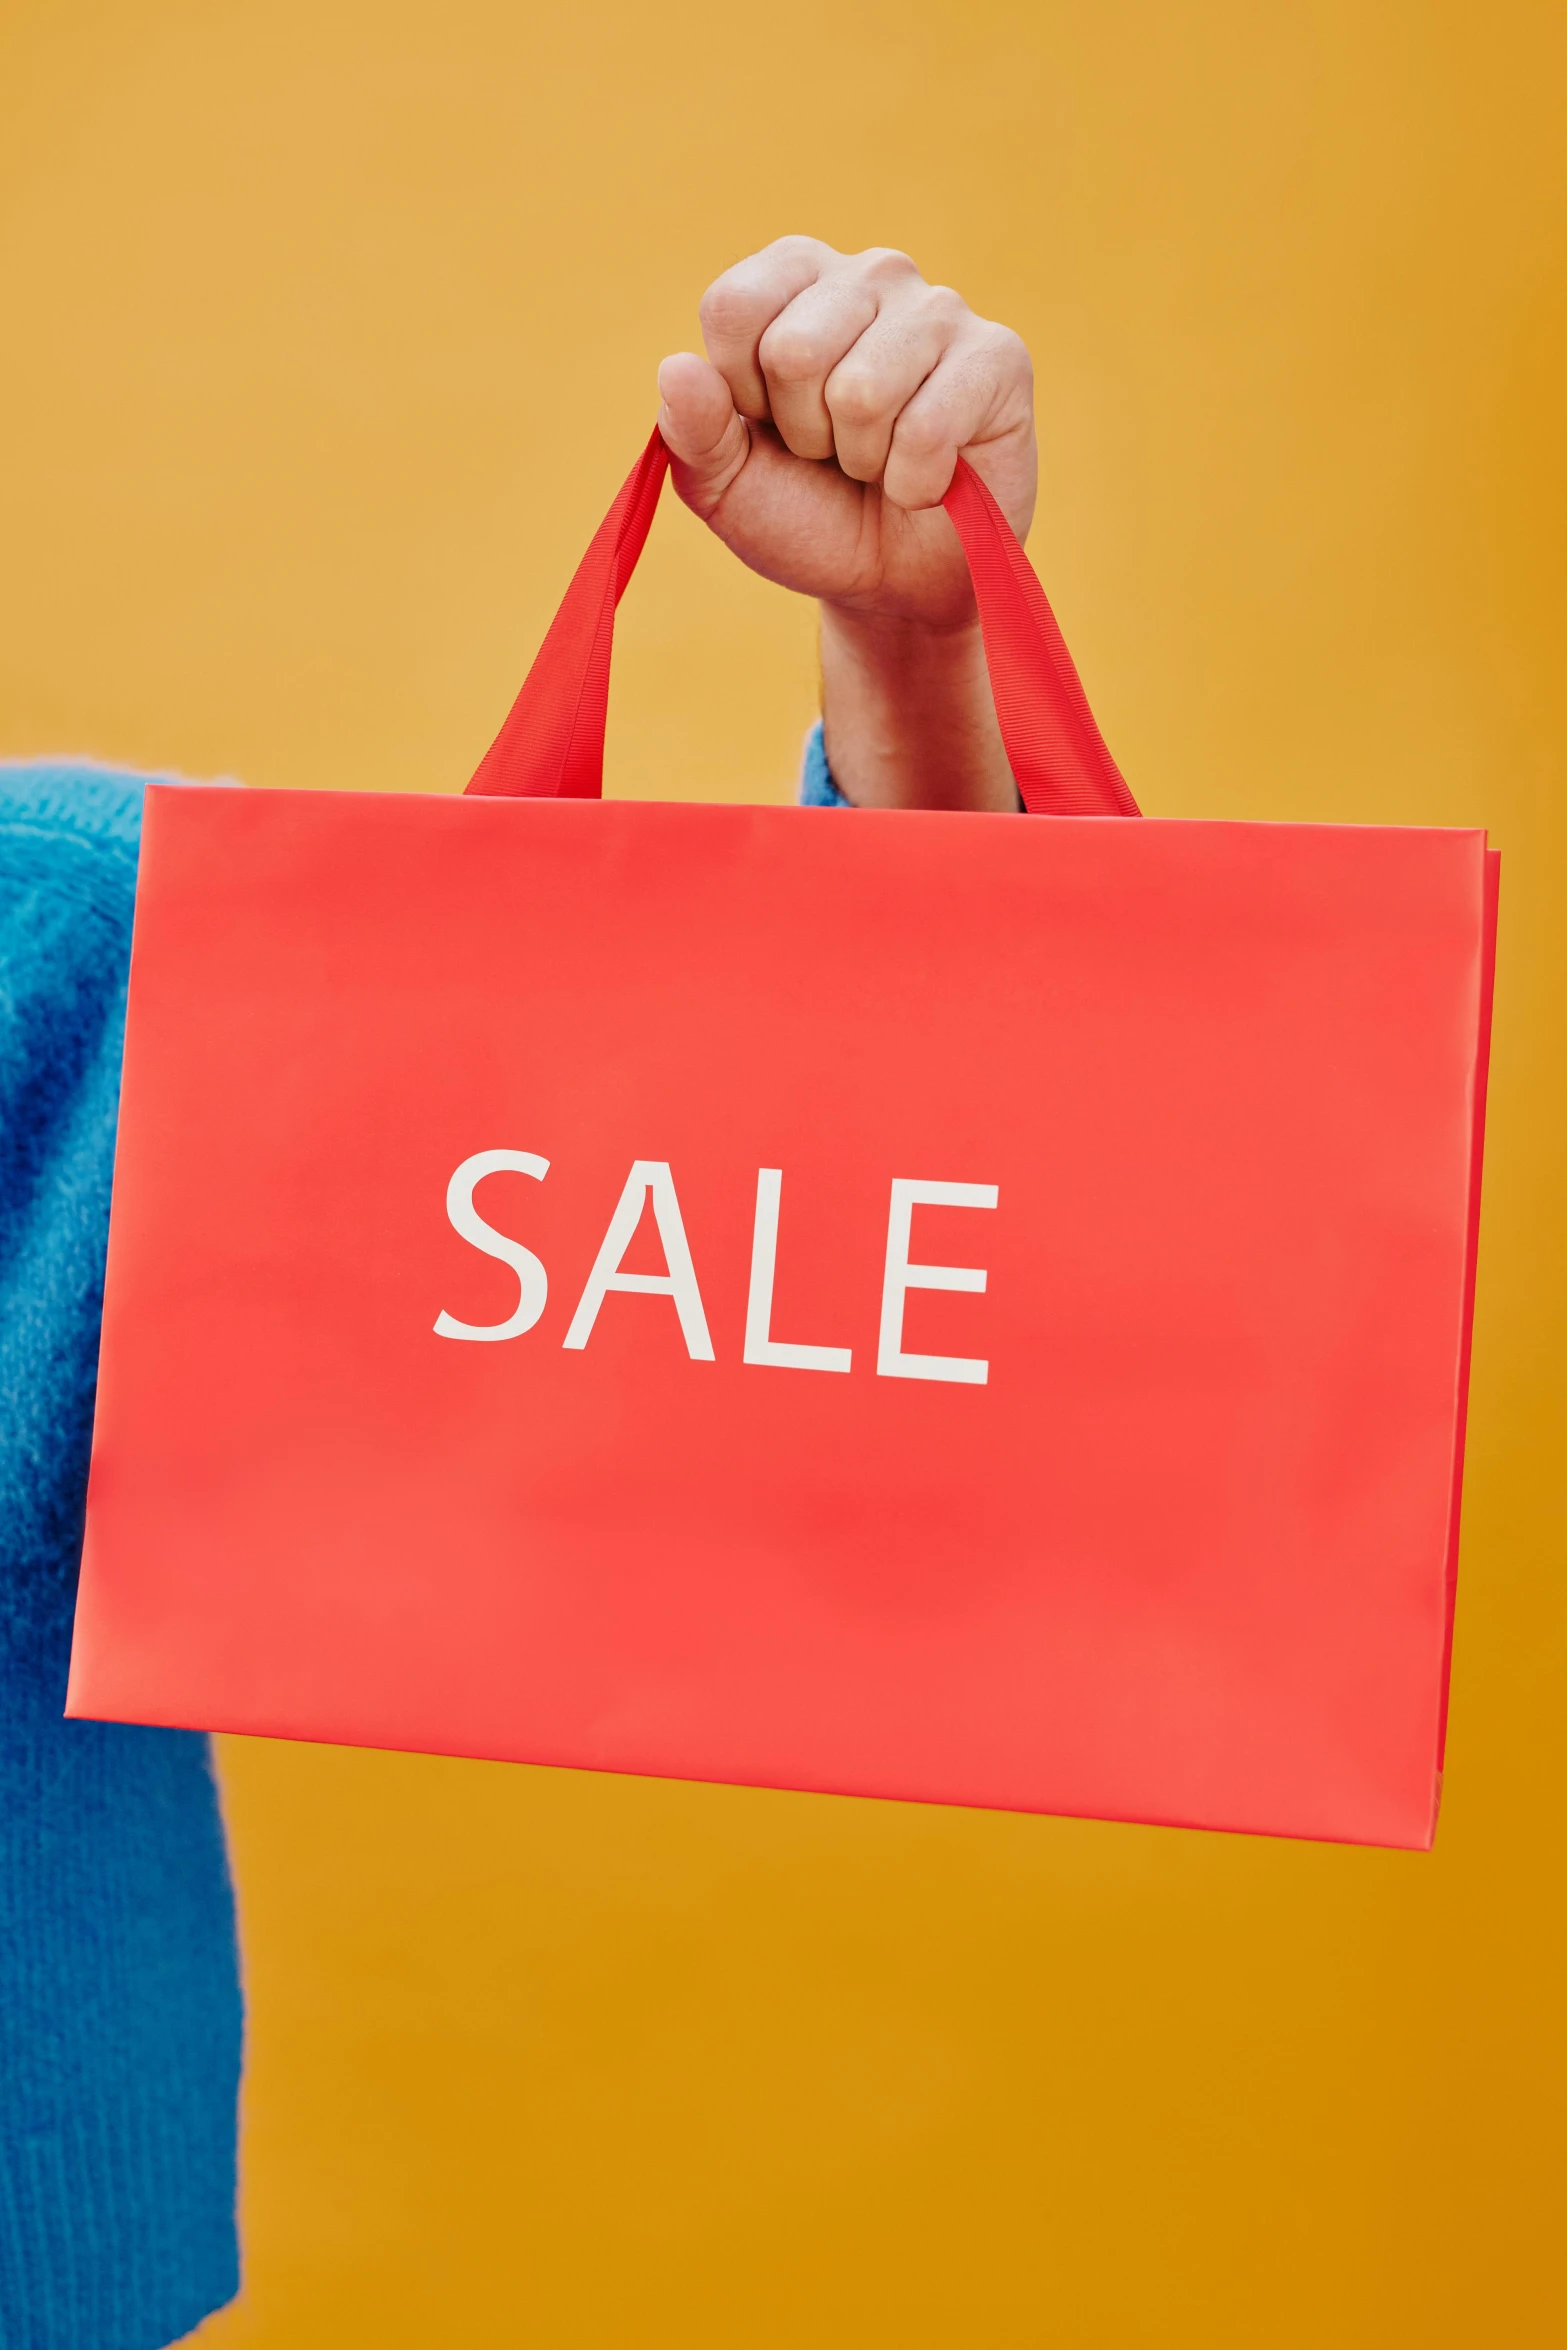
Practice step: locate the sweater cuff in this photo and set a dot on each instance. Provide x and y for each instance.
(817, 788)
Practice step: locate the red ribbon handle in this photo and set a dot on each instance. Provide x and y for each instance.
(552, 744)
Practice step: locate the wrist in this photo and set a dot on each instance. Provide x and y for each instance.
(908, 716)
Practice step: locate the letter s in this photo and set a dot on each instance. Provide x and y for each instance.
(532, 1280)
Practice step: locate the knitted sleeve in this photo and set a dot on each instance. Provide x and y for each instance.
(120, 2020)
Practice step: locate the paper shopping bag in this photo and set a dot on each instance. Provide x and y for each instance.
(964, 1308)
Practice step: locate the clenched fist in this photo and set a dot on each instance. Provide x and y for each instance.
(817, 439)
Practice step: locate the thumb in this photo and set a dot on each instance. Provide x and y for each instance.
(703, 431)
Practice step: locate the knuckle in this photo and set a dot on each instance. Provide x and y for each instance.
(744, 296)
(855, 395)
(921, 437)
(796, 250)
(946, 306)
(857, 465)
(728, 310)
(1005, 352)
(791, 353)
(911, 486)
(806, 438)
(884, 264)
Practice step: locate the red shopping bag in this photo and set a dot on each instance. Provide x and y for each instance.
(963, 1308)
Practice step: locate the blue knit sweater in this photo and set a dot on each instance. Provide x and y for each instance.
(119, 1992)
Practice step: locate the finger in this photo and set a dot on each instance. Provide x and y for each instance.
(802, 347)
(740, 306)
(977, 402)
(703, 432)
(808, 340)
(878, 376)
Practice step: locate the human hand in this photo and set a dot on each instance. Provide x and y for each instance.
(817, 440)
(819, 435)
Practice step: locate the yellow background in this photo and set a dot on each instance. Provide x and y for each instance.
(328, 328)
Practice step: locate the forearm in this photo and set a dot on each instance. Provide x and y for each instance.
(907, 715)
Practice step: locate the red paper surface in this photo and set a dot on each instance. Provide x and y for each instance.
(1184, 1555)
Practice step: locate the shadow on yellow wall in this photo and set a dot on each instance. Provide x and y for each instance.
(330, 329)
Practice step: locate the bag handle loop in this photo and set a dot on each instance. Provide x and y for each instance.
(552, 744)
